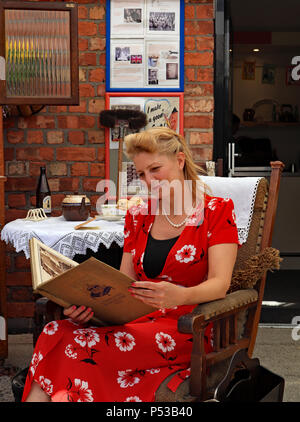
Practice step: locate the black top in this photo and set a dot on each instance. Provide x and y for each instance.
(156, 253)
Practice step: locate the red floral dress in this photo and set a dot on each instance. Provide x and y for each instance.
(129, 362)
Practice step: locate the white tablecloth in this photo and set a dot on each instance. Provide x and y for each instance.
(60, 235)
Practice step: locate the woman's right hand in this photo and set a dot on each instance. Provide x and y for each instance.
(79, 314)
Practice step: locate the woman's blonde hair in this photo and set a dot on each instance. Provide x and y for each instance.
(163, 140)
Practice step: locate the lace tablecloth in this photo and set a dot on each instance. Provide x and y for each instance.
(60, 235)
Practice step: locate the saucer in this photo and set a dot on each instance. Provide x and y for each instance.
(110, 217)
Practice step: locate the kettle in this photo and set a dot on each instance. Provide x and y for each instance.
(76, 207)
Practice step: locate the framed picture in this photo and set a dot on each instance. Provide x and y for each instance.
(248, 71)
(38, 53)
(145, 46)
(268, 74)
(162, 109)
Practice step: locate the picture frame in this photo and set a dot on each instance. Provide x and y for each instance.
(248, 71)
(39, 53)
(145, 46)
(162, 109)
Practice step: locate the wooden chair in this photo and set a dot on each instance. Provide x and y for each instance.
(235, 318)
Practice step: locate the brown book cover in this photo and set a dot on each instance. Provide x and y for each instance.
(91, 283)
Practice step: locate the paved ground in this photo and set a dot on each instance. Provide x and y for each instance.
(275, 348)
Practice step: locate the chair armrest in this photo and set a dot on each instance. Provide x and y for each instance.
(207, 310)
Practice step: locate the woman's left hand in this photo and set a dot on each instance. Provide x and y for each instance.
(159, 295)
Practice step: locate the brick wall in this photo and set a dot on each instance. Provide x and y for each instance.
(70, 143)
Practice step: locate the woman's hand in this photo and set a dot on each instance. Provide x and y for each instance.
(159, 295)
(80, 314)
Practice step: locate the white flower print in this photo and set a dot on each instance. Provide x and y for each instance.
(46, 385)
(127, 378)
(233, 216)
(153, 371)
(86, 336)
(165, 342)
(186, 253)
(51, 328)
(36, 358)
(133, 252)
(208, 234)
(80, 392)
(212, 204)
(226, 199)
(70, 351)
(124, 341)
(126, 234)
(133, 398)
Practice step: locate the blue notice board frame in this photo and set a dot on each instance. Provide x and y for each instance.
(145, 88)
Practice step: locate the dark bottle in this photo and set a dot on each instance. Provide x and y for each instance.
(43, 194)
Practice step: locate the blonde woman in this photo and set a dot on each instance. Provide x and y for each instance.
(180, 247)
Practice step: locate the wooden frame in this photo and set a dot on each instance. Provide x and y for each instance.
(138, 43)
(29, 59)
(140, 98)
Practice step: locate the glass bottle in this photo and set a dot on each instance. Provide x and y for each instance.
(43, 194)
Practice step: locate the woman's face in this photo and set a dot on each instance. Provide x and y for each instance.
(157, 170)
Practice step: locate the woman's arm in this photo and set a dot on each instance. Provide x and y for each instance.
(221, 260)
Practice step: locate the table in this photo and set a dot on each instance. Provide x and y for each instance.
(60, 235)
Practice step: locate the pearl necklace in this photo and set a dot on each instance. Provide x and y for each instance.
(174, 224)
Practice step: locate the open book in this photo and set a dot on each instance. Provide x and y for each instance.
(91, 283)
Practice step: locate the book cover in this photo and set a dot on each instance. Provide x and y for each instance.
(92, 283)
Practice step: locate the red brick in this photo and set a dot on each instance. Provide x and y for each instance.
(20, 310)
(201, 122)
(87, 28)
(102, 59)
(82, 12)
(76, 137)
(68, 122)
(87, 59)
(205, 74)
(34, 168)
(200, 138)
(36, 122)
(57, 169)
(190, 74)
(205, 11)
(15, 136)
(55, 137)
(97, 75)
(96, 105)
(81, 108)
(189, 43)
(98, 169)
(205, 43)
(83, 44)
(80, 169)
(96, 136)
(9, 154)
(12, 214)
(199, 59)
(97, 43)
(70, 184)
(21, 294)
(76, 154)
(56, 199)
(198, 106)
(101, 90)
(97, 12)
(101, 153)
(198, 90)
(86, 122)
(86, 90)
(189, 12)
(89, 185)
(43, 153)
(35, 137)
(198, 27)
(202, 154)
(57, 109)
(20, 184)
(102, 28)
(16, 200)
(21, 263)
(16, 168)
(18, 278)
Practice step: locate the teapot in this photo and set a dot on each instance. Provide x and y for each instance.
(76, 207)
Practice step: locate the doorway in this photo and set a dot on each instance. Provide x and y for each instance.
(257, 103)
